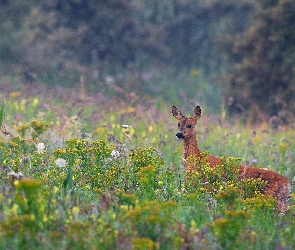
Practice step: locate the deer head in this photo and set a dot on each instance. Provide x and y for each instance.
(186, 125)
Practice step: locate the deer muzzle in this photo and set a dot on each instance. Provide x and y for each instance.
(179, 135)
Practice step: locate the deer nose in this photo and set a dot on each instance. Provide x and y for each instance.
(179, 135)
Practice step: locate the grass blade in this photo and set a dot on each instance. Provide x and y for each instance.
(68, 182)
(3, 150)
(1, 114)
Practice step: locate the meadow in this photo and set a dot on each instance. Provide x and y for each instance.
(81, 171)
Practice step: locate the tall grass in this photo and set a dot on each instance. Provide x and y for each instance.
(97, 184)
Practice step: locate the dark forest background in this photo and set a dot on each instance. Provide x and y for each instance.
(235, 56)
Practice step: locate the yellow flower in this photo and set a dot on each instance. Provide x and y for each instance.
(132, 131)
(143, 243)
(16, 106)
(75, 210)
(283, 147)
(15, 94)
(14, 208)
(112, 118)
(100, 130)
(256, 140)
(16, 183)
(124, 208)
(195, 72)
(45, 218)
(55, 190)
(150, 128)
(23, 105)
(35, 102)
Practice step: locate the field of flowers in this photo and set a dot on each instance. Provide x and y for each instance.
(85, 172)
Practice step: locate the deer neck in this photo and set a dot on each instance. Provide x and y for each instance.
(190, 147)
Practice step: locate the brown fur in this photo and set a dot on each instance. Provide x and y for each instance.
(277, 186)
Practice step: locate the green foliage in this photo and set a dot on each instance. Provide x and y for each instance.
(262, 76)
(27, 199)
(36, 127)
(68, 182)
(67, 191)
(130, 200)
(228, 229)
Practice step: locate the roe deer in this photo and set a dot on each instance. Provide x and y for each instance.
(276, 186)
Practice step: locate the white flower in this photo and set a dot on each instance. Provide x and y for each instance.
(14, 175)
(60, 162)
(115, 154)
(109, 79)
(83, 135)
(125, 126)
(40, 147)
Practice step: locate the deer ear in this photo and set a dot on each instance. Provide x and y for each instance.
(176, 113)
(197, 112)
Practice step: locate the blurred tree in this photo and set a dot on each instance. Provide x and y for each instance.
(31, 41)
(195, 31)
(193, 28)
(262, 81)
(11, 17)
(52, 38)
(114, 35)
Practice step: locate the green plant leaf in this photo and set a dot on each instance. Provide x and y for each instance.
(68, 182)
(3, 150)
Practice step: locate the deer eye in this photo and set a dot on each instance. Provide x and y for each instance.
(189, 126)
(178, 124)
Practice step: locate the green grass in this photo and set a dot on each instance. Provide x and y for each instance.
(125, 187)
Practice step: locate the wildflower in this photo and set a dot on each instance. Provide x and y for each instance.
(115, 154)
(195, 72)
(14, 208)
(83, 135)
(35, 102)
(60, 162)
(15, 94)
(112, 118)
(143, 243)
(100, 130)
(109, 79)
(160, 183)
(14, 175)
(132, 131)
(55, 190)
(125, 126)
(75, 210)
(124, 208)
(40, 147)
(150, 128)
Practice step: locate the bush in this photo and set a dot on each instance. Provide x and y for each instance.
(263, 59)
